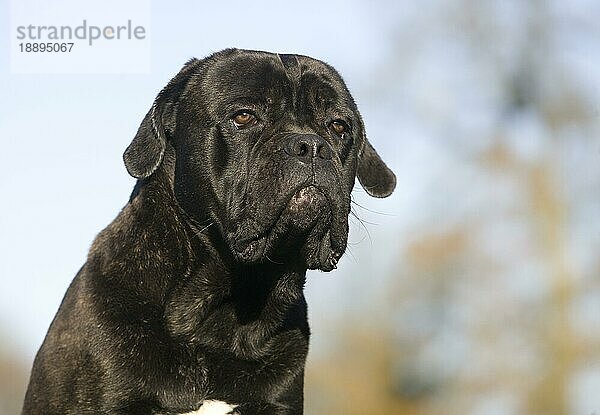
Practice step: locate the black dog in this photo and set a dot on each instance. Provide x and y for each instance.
(194, 293)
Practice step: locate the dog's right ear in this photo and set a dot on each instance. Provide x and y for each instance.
(145, 153)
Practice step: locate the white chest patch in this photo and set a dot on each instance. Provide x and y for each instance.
(213, 408)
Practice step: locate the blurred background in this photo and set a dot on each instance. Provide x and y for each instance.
(473, 289)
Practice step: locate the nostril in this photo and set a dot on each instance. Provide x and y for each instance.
(324, 152)
(307, 147)
(302, 150)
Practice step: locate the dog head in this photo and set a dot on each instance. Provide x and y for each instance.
(266, 147)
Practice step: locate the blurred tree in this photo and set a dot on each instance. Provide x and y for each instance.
(494, 309)
(13, 378)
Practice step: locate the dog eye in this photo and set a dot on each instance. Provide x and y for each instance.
(243, 119)
(339, 127)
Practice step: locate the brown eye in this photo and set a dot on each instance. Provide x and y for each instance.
(244, 119)
(338, 127)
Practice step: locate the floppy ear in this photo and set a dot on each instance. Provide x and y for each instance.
(374, 176)
(145, 153)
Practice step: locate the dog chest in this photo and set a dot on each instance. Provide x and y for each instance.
(213, 407)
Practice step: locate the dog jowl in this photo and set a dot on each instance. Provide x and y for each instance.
(194, 293)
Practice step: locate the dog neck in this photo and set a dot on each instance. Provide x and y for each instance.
(240, 310)
(208, 299)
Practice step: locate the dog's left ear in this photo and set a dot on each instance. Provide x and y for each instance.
(374, 176)
(145, 153)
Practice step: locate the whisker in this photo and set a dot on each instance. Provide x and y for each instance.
(372, 211)
(198, 226)
(206, 227)
(274, 262)
(362, 223)
(352, 255)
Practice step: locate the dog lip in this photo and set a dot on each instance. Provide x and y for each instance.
(251, 250)
(305, 207)
(308, 195)
(242, 245)
(305, 196)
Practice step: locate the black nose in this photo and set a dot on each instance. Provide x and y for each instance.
(306, 147)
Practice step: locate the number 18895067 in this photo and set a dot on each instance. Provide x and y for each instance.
(45, 47)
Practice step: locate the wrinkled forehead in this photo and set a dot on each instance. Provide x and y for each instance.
(251, 77)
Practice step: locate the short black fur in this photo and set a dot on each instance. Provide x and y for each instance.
(195, 291)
